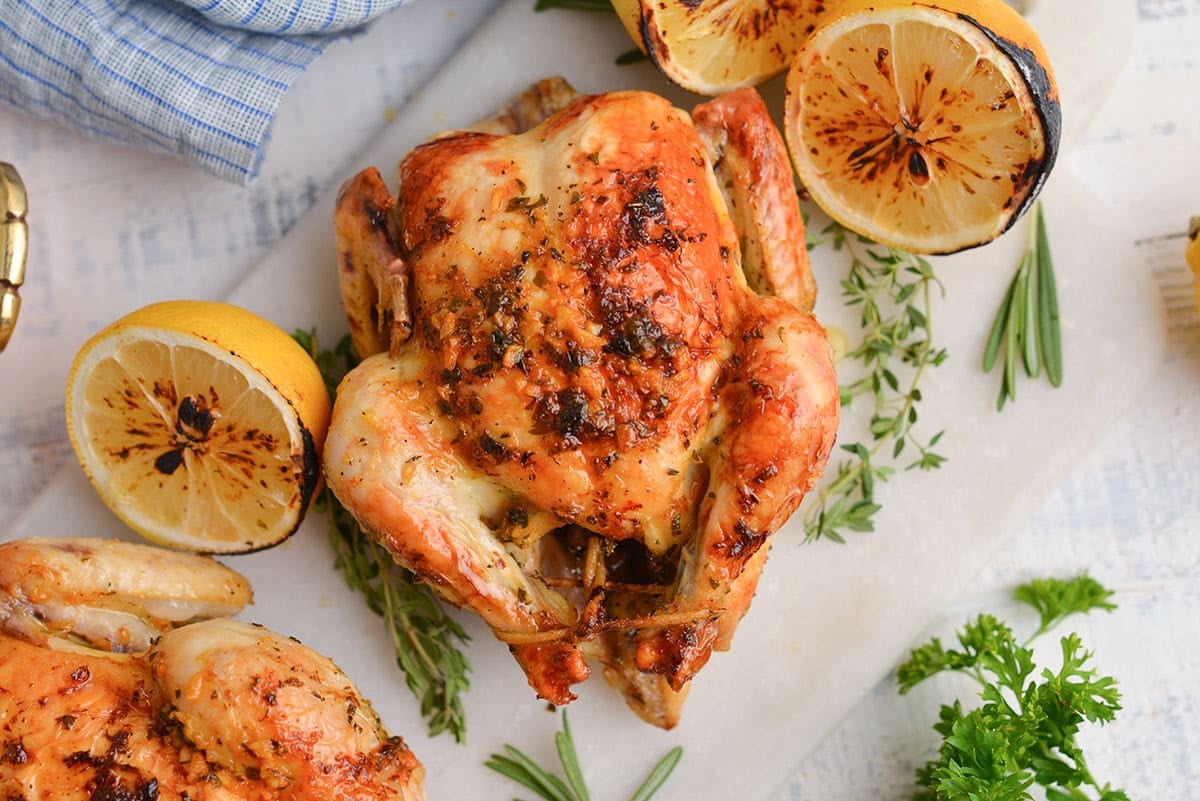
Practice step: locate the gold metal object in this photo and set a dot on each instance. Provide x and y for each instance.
(14, 246)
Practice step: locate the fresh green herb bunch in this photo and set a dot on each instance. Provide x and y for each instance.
(1024, 731)
(893, 291)
(425, 638)
(514, 764)
(1027, 327)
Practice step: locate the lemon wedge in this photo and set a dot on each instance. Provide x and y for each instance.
(200, 425)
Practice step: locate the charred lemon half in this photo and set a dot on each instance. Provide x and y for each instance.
(927, 126)
(200, 425)
(713, 46)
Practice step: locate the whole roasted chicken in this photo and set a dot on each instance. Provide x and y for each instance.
(592, 388)
(109, 690)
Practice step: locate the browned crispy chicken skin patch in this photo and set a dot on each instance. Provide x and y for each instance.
(579, 419)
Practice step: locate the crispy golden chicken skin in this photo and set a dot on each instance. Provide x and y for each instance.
(600, 417)
(215, 709)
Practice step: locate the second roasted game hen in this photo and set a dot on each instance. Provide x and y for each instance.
(592, 388)
(122, 679)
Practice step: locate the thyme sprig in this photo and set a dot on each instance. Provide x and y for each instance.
(514, 764)
(894, 293)
(1023, 732)
(424, 637)
(1027, 328)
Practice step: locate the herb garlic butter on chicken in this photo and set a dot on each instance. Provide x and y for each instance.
(592, 388)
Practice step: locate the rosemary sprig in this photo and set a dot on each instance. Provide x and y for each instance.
(1026, 328)
(524, 771)
(424, 637)
(893, 290)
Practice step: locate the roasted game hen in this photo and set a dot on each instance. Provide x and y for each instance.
(592, 388)
(108, 691)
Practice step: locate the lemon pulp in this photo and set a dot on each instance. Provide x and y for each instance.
(191, 444)
(920, 127)
(713, 46)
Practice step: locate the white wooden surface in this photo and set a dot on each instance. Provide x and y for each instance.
(122, 228)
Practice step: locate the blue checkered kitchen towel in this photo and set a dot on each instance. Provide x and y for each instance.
(198, 78)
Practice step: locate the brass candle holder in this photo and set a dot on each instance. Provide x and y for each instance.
(14, 246)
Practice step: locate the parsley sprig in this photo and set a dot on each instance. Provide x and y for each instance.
(424, 637)
(893, 291)
(1024, 731)
(514, 764)
(1026, 328)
